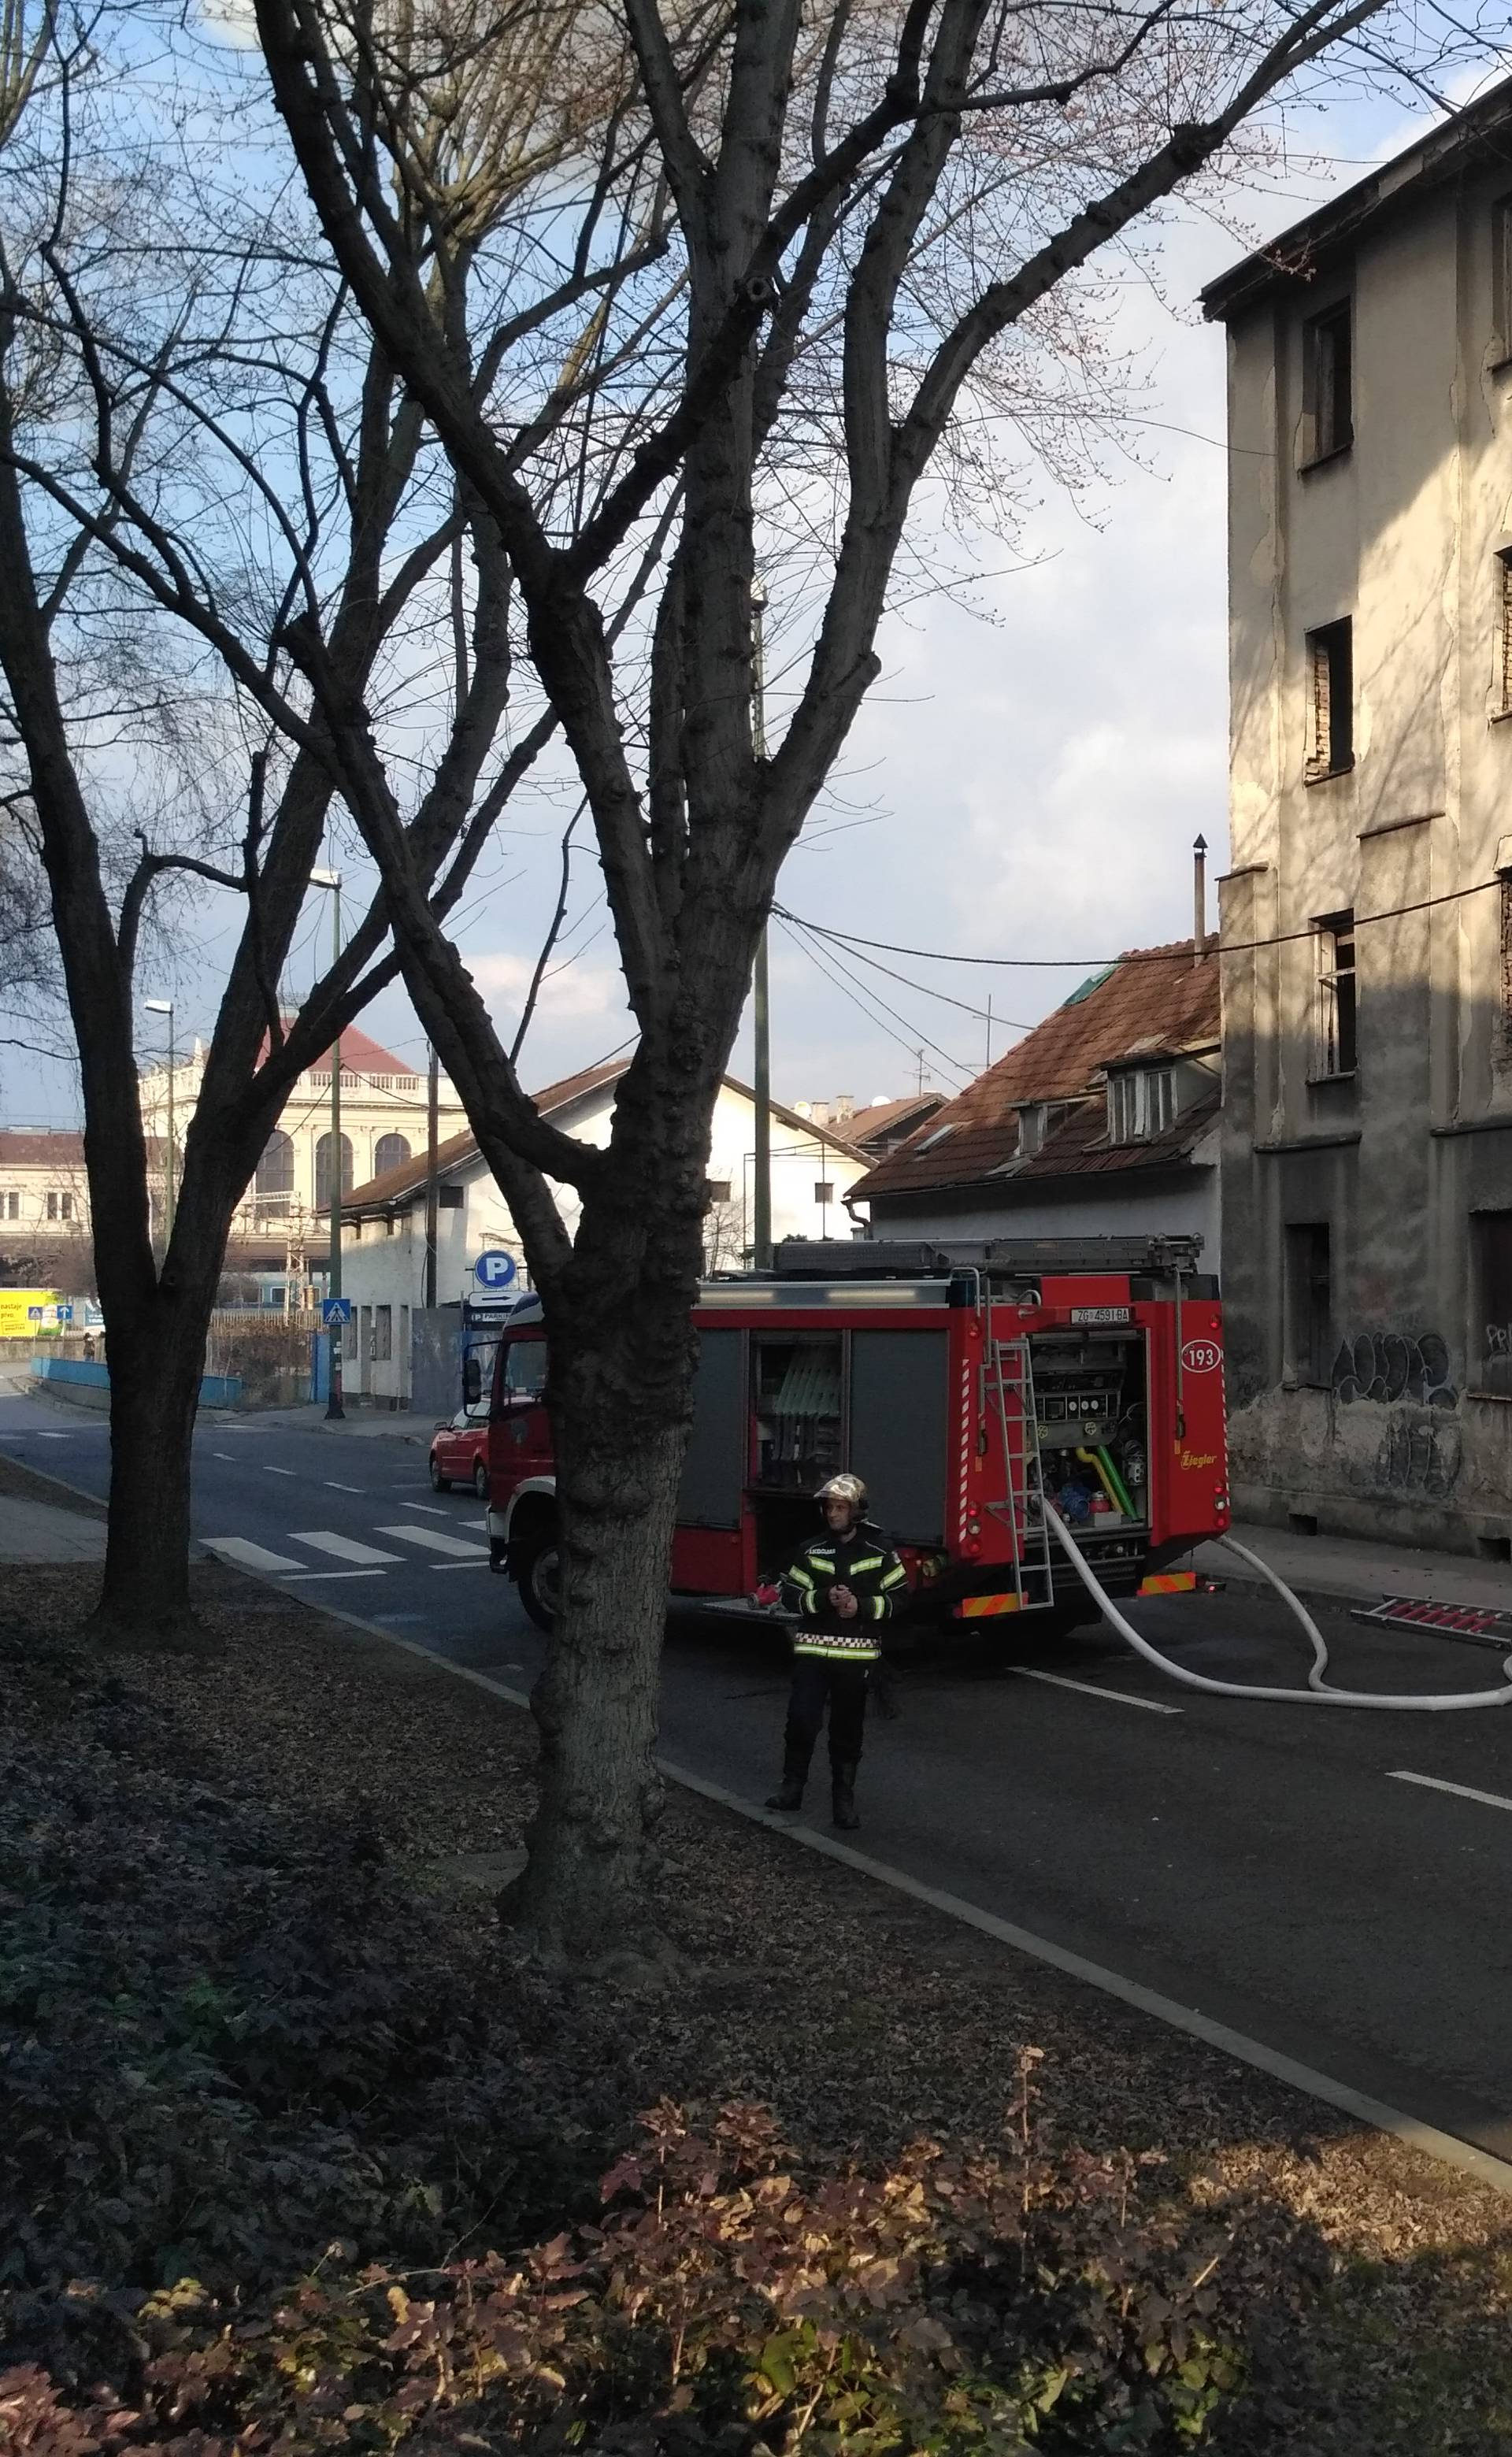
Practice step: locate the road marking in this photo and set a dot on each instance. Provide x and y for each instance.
(1089, 1689)
(432, 1509)
(244, 1555)
(54, 1438)
(433, 1541)
(225, 1454)
(331, 1486)
(1460, 1790)
(303, 1578)
(459, 1565)
(278, 1471)
(1434, 2143)
(342, 1548)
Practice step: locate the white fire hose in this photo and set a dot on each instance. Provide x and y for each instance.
(1318, 1692)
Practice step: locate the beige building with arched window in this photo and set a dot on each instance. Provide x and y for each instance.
(279, 1222)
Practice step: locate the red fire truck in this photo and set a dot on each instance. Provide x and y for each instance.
(964, 1384)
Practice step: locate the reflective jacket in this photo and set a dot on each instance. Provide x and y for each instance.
(876, 1577)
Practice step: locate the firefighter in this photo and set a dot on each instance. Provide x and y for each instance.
(845, 1586)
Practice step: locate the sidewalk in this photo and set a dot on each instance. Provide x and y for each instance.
(396, 1424)
(35, 1531)
(1349, 1569)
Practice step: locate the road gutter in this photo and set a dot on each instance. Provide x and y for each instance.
(1445, 2147)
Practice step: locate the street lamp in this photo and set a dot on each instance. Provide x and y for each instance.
(165, 1006)
(334, 1410)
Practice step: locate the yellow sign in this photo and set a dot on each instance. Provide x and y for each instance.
(23, 1313)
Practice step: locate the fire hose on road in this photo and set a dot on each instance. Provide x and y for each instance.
(1318, 1692)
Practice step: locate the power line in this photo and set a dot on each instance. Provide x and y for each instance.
(983, 1014)
(1135, 955)
(868, 1004)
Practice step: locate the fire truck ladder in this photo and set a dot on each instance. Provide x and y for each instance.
(1010, 1393)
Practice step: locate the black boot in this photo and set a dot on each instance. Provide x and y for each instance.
(789, 1793)
(843, 1797)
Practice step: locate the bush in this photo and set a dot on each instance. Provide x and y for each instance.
(723, 2301)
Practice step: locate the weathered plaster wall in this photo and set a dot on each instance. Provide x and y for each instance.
(1410, 1434)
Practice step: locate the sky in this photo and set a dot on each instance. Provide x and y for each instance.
(1025, 781)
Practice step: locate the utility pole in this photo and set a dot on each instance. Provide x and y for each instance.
(989, 1028)
(165, 1006)
(432, 1109)
(1199, 901)
(761, 1239)
(334, 1410)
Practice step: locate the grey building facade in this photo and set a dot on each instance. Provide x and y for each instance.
(1366, 1146)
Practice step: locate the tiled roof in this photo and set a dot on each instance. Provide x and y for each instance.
(459, 1151)
(835, 1139)
(360, 1056)
(1153, 1002)
(41, 1147)
(887, 1122)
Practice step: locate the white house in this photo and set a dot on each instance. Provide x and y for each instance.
(813, 1169)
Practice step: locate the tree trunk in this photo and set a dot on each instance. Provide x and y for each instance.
(623, 1355)
(583, 1897)
(154, 1368)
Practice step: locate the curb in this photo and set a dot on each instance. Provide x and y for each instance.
(1446, 2149)
(1352, 1601)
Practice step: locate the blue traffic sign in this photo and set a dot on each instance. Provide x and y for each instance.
(335, 1310)
(494, 1271)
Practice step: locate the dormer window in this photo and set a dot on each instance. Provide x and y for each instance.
(1031, 1128)
(1141, 1103)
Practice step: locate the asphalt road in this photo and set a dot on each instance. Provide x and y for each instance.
(1269, 1866)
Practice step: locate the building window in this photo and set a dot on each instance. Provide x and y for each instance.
(322, 1169)
(449, 1198)
(68, 1207)
(382, 1334)
(1502, 685)
(52, 1205)
(1491, 1258)
(273, 1186)
(1328, 384)
(1141, 1102)
(12, 1207)
(1337, 996)
(1331, 701)
(1502, 277)
(719, 1189)
(1309, 1303)
(390, 1151)
(1031, 1130)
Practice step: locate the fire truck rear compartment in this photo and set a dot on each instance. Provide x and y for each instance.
(1090, 1406)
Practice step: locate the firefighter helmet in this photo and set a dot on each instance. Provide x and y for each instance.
(844, 1488)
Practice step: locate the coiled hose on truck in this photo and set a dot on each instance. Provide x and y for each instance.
(1318, 1692)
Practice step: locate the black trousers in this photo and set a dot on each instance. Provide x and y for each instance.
(820, 1682)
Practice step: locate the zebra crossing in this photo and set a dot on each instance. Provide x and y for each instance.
(338, 1556)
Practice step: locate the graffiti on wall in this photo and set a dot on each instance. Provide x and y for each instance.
(1393, 1365)
(1421, 1449)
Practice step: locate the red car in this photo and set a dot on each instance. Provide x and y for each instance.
(459, 1451)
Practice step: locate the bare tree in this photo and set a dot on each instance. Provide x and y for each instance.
(234, 557)
(883, 213)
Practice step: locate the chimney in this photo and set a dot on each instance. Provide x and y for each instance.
(1199, 900)
(844, 1109)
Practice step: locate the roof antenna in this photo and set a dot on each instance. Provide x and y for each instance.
(1199, 901)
